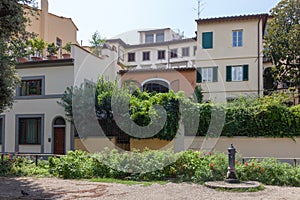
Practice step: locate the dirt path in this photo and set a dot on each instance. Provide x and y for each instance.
(53, 188)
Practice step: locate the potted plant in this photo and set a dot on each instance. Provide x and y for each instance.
(37, 48)
(67, 49)
(52, 51)
(21, 51)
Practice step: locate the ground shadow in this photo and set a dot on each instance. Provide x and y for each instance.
(22, 188)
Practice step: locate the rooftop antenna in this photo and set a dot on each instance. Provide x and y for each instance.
(200, 7)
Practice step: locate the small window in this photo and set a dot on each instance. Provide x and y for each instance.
(207, 40)
(58, 42)
(131, 57)
(207, 74)
(29, 130)
(173, 53)
(160, 37)
(161, 54)
(149, 38)
(237, 73)
(1, 129)
(146, 55)
(237, 38)
(186, 51)
(31, 87)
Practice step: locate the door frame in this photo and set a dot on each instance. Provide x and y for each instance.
(53, 129)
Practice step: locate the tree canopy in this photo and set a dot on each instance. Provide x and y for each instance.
(282, 42)
(13, 39)
(97, 43)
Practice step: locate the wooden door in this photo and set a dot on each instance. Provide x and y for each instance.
(59, 140)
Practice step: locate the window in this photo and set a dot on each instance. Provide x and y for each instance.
(146, 55)
(149, 38)
(207, 74)
(237, 73)
(160, 37)
(58, 42)
(31, 87)
(156, 86)
(29, 130)
(237, 38)
(186, 51)
(195, 50)
(161, 54)
(173, 53)
(207, 40)
(1, 129)
(131, 57)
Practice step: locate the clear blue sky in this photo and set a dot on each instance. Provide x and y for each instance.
(112, 17)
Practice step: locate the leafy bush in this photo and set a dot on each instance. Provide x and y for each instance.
(191, 166)
(269, 116)
(75, 165)
(269, 171)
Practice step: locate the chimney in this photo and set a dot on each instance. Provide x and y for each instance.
(44, 20)
(44, 6)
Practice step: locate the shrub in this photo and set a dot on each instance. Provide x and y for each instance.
(75, 165)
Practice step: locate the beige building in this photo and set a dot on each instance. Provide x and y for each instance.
(53, 28)
(229, 59)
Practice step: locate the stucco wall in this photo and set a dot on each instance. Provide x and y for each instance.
(187, 79)
(94, 144)
(90, 67)
(253, 147)
(223, 54)
(153, 144)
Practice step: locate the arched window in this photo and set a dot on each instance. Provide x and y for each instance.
(59, 121)
(159, 86)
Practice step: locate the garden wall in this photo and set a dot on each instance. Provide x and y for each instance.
(94, 144)
(253, 146)
(153, 144)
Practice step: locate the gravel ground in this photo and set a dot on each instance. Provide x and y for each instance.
(53, 188)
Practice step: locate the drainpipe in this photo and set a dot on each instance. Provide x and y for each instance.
(258, 56)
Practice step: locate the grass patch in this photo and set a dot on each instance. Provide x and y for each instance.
(260, 188)
(127, 182)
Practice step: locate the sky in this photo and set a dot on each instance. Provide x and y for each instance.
(113, 17)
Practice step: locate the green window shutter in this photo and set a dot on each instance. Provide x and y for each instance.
(228, 73)
(215, 74)
(245, 72)
(207, 40)
(198, 75)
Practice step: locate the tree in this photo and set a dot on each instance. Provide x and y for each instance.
(282, 42)
(97, 43)
(13, 36)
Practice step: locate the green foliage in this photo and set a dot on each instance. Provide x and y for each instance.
(282, 42)
(269, 116)
(13, 37)
(269, 171)
(191, 166)
(67, 47)
(97, 43)
(38, 45)
(52, 49)
(74, 165)
(198, 94)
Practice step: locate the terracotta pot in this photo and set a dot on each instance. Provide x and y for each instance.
(21, 59)
(34, 58)
(66, 55)
(52, 57)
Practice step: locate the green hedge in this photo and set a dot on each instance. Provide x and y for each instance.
(269, 116)
(191, 166)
